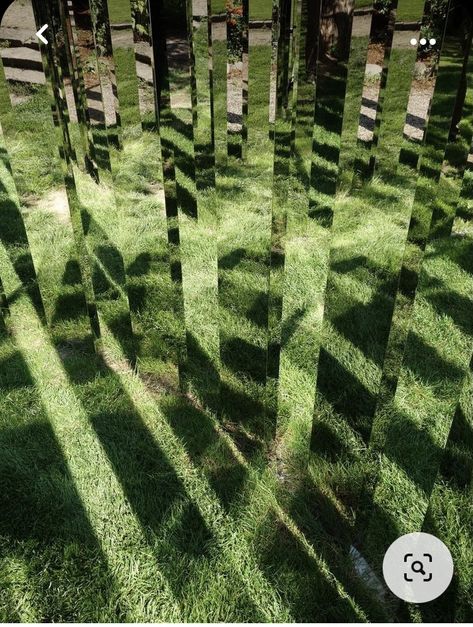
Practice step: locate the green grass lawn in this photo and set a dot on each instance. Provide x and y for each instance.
(259, 9)
(125, 498)
(410, 11)
(407, 10)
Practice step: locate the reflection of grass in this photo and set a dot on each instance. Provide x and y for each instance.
(411, 11)
(259, 9)
(119, 11)
(126, 501)
(33, 128)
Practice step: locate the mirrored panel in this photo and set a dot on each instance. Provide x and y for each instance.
(298, 80)
(416, 365)
(87, 86)
(41, 154)
(374, 88)
(366, 248)
(237, 36)
(13, 234)
(198, 229)
(146, 226)
(410, 86)
(282, 123)
(244, 193)
(218, 62)
(364, 19)
(94, 182)
(318, 156)
(177, 29)
(369, 233)
(204, 134)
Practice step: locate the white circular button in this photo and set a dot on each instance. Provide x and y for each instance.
(432, 41)
(423, 41)
(413, 41)
(418, 567)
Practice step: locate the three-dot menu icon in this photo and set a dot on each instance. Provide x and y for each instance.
(423, 41)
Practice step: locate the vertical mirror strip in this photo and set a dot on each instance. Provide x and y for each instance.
(281, 128)
(415, 354)
(199, 232)
(55, 63)
(182, 90)
(309, 239)
(409, 86)
(13, 234)
(219, 54)
(379, 53)
(48, 191)
(204, 135)
(244, 192)
(363, 267)
(354, 119)
(306, 27)
(169, 147)
(141, 230)
(77, 83)
(237, 27)
(95, 184)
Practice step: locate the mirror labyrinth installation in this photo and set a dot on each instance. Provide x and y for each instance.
(236, 307)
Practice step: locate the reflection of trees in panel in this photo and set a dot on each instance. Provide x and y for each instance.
(167, 122)
(78, 85)
(282, 129)
(108, 274)
(436, 199)
(62, 284)
(330, 37)
(202, 95)
(54, 66)
(380, 44)
(155, 297)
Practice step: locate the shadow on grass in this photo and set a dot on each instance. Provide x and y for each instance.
(184, 161)
(110, 284)
(14, 238)
(329, 531)
(43, 522)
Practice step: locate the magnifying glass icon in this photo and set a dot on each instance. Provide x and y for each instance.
(418, 567)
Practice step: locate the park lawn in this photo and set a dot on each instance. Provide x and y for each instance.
(259, 9)
(125, 500)
(410, 11)
(119, 11)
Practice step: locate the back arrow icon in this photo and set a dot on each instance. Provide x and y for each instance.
(39, 34)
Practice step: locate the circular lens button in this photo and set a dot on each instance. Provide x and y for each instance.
(418, 567)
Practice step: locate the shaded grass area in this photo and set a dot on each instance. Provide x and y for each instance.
(134, 459)
(124, 499)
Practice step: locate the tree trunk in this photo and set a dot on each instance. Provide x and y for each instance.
(328, 31)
